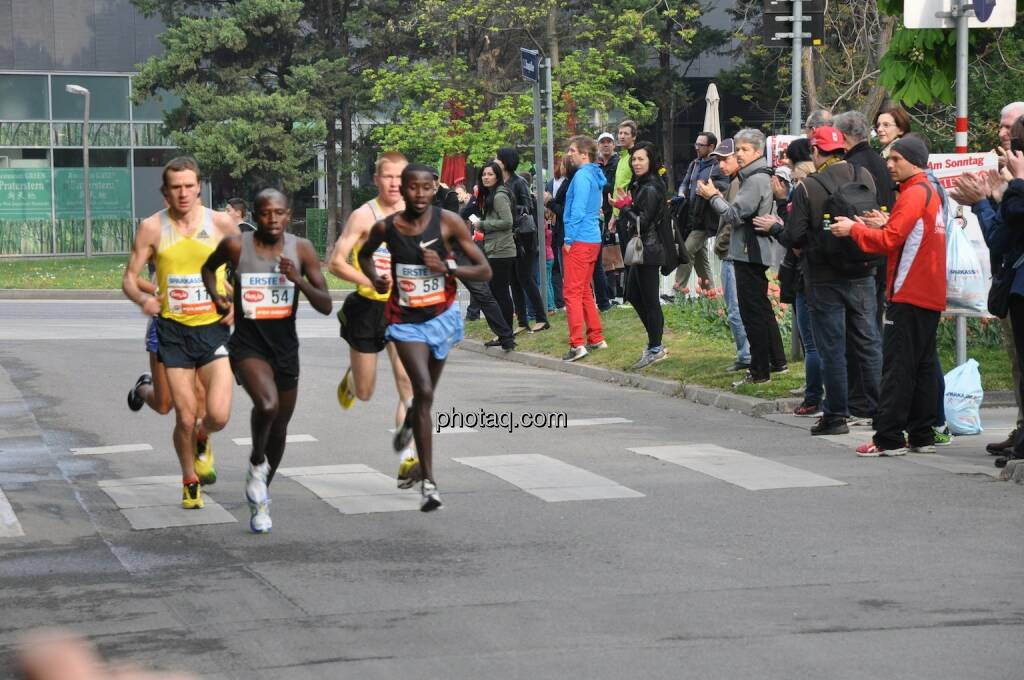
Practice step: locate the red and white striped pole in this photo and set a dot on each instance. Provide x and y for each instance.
(961, 8)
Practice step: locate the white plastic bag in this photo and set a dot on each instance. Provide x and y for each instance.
(965, 280)
(963, 399)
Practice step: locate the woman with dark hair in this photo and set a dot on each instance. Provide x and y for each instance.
(523, 284)
(890, 125)
(642, 211)
(495, 204)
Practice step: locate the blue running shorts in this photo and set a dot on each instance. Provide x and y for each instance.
(440, 334)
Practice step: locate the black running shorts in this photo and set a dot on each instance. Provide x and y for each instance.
(363, 324)
(181, 346)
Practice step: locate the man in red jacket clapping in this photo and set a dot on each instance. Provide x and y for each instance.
(914, 241)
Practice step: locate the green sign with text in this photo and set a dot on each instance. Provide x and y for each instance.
(25, 194)
(110, 188)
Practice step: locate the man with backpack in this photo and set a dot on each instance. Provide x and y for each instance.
(914, 240)
(840, 278)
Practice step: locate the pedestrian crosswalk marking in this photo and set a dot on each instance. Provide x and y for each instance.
(584, 422)
(446, 430)
(354, 489)
(736, 467)
(549, 479)
(119, 448)
(10, 527)
(290, 439)
(155, 503)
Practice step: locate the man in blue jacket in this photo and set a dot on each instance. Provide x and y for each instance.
(582, 247)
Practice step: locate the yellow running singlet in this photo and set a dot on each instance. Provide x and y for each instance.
(381, 260)
(179, 259)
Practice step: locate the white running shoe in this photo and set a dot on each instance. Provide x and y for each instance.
(431, 499)
(256, 482)
(260, 521)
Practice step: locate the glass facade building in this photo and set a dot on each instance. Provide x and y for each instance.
(46, 45)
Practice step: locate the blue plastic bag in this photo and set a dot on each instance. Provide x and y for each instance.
(963, 399)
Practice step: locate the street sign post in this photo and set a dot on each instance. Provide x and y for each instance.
(530, 60)
(794, 23)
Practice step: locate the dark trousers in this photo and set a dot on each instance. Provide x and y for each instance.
(502, 272)
(642, 292)
(843, 320)
(1017, 324)
(861, 404)
(481, 297)
(600, 285)
(523, 285)
(758, 319)
(556, 276)
(908, 377)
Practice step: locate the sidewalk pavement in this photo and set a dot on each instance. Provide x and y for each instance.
(94, 294)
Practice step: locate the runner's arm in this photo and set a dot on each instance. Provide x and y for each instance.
(373, 239)
(227, 251)
(143, 250)
(458, 236)
(313, 285)
(355, 229)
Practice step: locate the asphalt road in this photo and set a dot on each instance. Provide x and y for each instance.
(671, 563)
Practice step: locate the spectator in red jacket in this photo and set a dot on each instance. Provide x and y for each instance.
(914, 241)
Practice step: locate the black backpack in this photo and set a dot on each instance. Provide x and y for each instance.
(848, 199)
(523, 219)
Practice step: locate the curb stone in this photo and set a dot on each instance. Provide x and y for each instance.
(708, 396)
(751, 406)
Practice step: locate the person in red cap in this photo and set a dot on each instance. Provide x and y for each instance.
(840, 280)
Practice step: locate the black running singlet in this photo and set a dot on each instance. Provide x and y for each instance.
(265, 300)
(417, 293)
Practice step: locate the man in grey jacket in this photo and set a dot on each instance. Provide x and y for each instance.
(752, 254)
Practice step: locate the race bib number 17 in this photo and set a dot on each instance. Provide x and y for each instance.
(418, 286)
(266, 296)
(187, 295)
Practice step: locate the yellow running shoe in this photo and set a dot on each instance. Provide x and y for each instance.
(346, 397)
(408, 473)
(191, 496)
(203, 462)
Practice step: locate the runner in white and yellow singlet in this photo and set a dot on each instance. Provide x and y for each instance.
(362, 314)
(191, 334)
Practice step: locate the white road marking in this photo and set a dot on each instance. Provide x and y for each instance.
(549, 479)
(155, 503)
(10, 527)
(119, 448)
(354, 489)
(445, 430)
(736, 467)
(290, 439)
(584, 422)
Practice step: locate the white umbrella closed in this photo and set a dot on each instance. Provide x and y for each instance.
(711, 123)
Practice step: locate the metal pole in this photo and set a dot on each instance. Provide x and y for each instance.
(550, 118)
(86, 195)
(795, 123)
(538, 182)
(961, 339)
(961, 8)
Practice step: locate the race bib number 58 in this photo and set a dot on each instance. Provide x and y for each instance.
(187, 295)
(418, 286)
(266, 296)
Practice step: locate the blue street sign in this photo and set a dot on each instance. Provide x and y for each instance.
(531, 64)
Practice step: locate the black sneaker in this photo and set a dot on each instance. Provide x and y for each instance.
(135, 402)
(493, 343)
(999, 448)
(827, 427)
(749, 379)
(509, 347)
(783, 368)
(737, 367)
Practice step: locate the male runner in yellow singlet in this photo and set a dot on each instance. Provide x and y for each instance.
(362, 314)
(191, 334)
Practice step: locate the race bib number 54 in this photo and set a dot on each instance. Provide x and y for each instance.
(266, 296)
(187, 295)
(418, 286)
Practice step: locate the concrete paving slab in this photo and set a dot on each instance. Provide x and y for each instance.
(155, 503)
(167, 516)
(352, 484)
(10, 527)
(118, 448)
(324, 470)
(361, 505)
(290, 439)
(736, 467)
(587, 422)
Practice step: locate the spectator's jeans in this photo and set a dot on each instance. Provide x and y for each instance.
(732, 312)
(579, 294)
(759, 321)
(600, 283)
(812, 362)
(556, 276)
(524, 286)
(697, 249)
(549, 264)
(843, 314)
(908, 378)
(550, 292)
